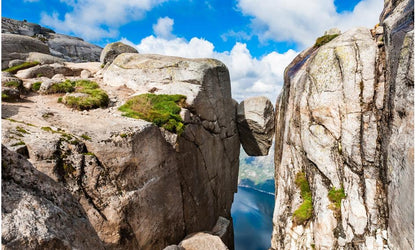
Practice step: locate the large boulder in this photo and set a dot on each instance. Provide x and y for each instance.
(39, 213)
(141, 186)
(47, 70)
(112, 50)
(43, 58)
(255, 117)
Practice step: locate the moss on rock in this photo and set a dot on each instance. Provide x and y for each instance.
(305, 210)
(162, 110)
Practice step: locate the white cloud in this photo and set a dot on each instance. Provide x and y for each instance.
(249, 76)
(95, 19)
(303, 21)
(163, 28)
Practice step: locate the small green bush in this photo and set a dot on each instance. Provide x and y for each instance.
(24, 65)
(36, 86)
(162, 110)
(95, 98)
(324, 39)
(305, 210)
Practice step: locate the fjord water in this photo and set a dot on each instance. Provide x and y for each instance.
(252, 214)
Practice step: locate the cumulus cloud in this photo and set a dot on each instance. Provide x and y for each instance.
(96, 19)
(303, 21)
(249, 76)
(163, 27)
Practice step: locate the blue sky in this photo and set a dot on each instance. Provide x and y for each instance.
(255, 39)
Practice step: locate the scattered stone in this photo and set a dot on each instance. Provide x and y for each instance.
(85, 74)
(332, 31)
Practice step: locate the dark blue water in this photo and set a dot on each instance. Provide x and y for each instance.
(252, 213)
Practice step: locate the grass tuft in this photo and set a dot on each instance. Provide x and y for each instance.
(336, 196)
(85, 137)
(36, 86)
(63, 87)
(324, 40)
(95, 97)
(24, 65)
(162, 110)
(15, 84)
(305, 210)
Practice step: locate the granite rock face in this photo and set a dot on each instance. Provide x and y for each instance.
(112, 50)
(202, 241)
(38, 213)
(18, 47)
(21, 37)
(397, 142)
(141, 186)
(344, 120)
(255, 118)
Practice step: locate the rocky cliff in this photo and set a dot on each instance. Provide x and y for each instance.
(141, 186)
(21, 37)
(344, 140)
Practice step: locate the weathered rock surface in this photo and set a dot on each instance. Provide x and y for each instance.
(345, 119)
(112, 50)
(139, 189)
(255, 119)
(202, 241)
(47, 70)
(73, 49)
(38, 213)
(18, 47)
(397, 141)
(20, 37)
(43, 58)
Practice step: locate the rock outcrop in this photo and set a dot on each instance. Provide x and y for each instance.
(397, 142)
(142, 187)
(38, 213)
(202, 241)
(344, 141)
(255, 119)
(112, 50)
(21, 37)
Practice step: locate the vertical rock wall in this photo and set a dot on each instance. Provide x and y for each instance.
(398, 145)
(345, 122)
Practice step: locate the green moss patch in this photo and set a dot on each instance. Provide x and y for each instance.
(324, 40)
(36, 86)
(336, 196)
(162, 110)
(94, 96)
(305, 210)
(24, 65)
(13, 84)
(4, 97)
